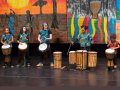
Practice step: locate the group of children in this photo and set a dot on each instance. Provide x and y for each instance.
(7, 39)
(45, 35)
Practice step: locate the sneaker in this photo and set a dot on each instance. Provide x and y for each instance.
(39, 65)
(17, 65)
(12, 66)
(28, 65)
(115, 66)
(51, 64)
(4, 66)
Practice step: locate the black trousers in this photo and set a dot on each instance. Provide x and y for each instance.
(115, 60)
(46, 56)
(24, 56)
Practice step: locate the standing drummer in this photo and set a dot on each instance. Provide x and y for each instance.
(113, 44)
(23, 38)
(45, 36)
(85, 39)
(7, 39)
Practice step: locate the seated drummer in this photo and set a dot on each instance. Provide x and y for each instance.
(23, 38)
(113, 44)
(85, 39)
(45, 36)
(7, 39)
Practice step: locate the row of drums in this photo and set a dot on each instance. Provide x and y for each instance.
(83, 59)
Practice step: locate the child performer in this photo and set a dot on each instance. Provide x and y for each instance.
(23, 38)
(7, 39)
(85, 39)
(113, 44)
(45, 36)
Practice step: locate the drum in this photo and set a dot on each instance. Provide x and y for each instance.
(95, 7)
(110, 54)
(6, 50)
(43, 47)
(57, 57)
(81, 60)
(72, 57)
(92, 59)
(22, 49)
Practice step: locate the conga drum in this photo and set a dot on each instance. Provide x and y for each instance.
(72, 57)
(6, 50)
(92, 59)
(110, 54)
(81, 59)
(57, 57)
(22, 50)
(95, 7)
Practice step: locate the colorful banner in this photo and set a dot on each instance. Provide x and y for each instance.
(118, 9)
(100, 28)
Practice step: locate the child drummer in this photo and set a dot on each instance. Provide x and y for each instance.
(23, 38)
(85, 39)
(45, 36)
(7, 39)
(113, 44)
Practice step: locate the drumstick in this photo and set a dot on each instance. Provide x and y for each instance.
(69, 48)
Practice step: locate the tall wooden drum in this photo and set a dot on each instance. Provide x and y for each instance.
(81, 60)
(57, 56)
(95, 7)
(72, 57)
(92, 59)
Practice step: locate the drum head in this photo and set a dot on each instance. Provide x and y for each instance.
(93, 52)
(43, 47)
(22, 46)
(57, 52)
(84, 50)
(79, 51)
(5, 46)
(72, 52)
(110, 51)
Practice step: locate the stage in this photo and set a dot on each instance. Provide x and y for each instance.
(47, 76)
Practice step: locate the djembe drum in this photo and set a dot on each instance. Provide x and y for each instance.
(92, 59)
(81, 60)
(57, 57)
(6, 50)
(22, 51)
(43, 47)
(95, 7)
(110, 54)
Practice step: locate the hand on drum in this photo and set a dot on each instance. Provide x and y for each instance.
(41, 41)
(5, 44)
(20, 43)
(114, 48)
